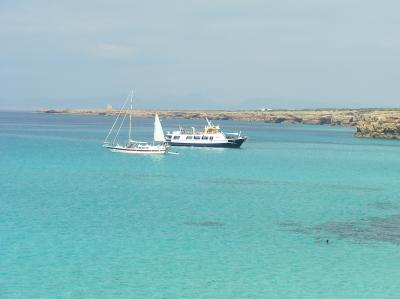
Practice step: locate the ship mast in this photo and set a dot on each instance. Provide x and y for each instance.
(130, 119)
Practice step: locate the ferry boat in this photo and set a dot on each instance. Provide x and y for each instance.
(212, 136)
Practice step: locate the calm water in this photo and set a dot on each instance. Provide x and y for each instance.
(77, 221)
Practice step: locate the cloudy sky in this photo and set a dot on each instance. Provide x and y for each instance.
(200, 53)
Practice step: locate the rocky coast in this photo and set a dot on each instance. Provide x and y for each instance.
(369, 123)
(379, 124)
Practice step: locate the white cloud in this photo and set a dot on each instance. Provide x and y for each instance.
(108, 50)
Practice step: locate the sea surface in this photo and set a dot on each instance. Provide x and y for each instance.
(77, 221)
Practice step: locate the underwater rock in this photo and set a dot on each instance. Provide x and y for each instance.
(372, 229)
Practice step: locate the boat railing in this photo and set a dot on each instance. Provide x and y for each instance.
(190, 132)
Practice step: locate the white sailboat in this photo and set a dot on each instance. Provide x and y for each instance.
(159, 145)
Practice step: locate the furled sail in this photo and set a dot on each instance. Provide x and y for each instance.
(158, 130)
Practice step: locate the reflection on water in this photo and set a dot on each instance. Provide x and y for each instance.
(214, 150)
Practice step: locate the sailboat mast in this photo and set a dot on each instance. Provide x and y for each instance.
(130, 119)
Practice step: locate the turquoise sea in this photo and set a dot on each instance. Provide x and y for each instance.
(77, 221)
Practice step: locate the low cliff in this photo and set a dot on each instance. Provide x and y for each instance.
(379, 125)
(315, 117)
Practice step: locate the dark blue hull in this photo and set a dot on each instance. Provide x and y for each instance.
(234, 143)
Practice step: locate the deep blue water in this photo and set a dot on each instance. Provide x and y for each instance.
(77, 221)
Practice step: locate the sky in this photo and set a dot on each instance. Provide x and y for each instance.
(208, 54)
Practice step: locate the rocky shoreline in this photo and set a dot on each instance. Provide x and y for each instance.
(369, 123)
(382, 124)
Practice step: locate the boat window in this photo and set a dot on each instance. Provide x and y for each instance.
(196, 137)
(204, 137)
(189, 137)
(211, 137)
(176, 137)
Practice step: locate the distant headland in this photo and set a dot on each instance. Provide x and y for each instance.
(369, 123)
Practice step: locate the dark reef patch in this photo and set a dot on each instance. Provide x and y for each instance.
(242, 182)
(351, 187)
(371, 229)
(234, 181)
(385, 205)
(206, 223)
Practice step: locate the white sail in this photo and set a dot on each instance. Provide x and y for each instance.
(158, 130)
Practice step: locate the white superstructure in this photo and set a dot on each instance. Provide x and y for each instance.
(212, 136)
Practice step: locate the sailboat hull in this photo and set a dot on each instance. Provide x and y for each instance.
(142, 150)
(159, 146)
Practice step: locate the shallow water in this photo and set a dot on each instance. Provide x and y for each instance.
(77, 221)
